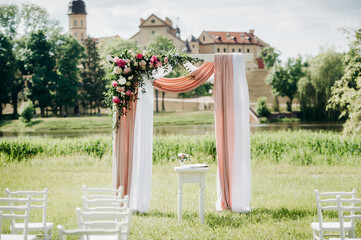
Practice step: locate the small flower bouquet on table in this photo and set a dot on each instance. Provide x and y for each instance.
(182, 157)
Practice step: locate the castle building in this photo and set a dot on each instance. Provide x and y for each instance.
(228, 42)
(153, 26)
(77, 19)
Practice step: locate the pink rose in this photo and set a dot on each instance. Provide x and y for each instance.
(128, 92)
(127, 61)
(127, 70)
(116, 59)
(151, 65)
(120, 89)
(158, 64)
(116, 100)
(165, 59)
(139, 56)
(121, 63)
(115, 83)
(153, 59)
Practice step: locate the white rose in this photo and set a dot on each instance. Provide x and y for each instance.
(117, 70)
(122, 81)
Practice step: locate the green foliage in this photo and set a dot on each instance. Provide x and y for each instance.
(92, 76)
(315, 89)
(261, 108)
(203, 90)
(346, 93)
(161, 43)
(26, 112)
(69, 52)
(295, 148)
(7, 70)
(9, 19)
(40, 62)
(110, 46)
(276, 104)
(283, 80)
(270, 55)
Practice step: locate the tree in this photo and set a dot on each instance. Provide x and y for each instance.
(346, 93)
(283, 80)
(7, 70)
(160, 43)
(270, 55)
(40, 63)
(109, 46)
(92, 75)
(9, 19)
(68, 55)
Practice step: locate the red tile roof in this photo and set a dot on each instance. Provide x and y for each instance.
(234, 37)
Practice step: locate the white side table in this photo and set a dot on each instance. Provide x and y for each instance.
(188, 174)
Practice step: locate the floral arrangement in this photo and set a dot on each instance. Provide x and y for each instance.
(129, 69)
(183, 156)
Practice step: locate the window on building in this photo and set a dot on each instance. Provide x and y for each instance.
(239, 50)
(224, 50)
(153, 32)
(194, 46)
(248, 50)
(81, 22)
(75, 34)
(232, 49)
(152, 21)
(204, 38)
(82, 35)
(74, 22)
(218, 50)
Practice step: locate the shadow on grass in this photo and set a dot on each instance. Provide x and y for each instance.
(235, 220)
(33, 123)
(156, 214)
(4, 122)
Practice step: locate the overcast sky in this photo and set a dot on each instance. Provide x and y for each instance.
(292, 26)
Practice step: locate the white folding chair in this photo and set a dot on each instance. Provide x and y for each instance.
(14, 209)
(349, 210)
(327, 201)
(105, 205)
(102, 193)
(38, 202)
(96, 220)
(89, 234)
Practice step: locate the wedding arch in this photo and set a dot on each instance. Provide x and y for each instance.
(133, 137)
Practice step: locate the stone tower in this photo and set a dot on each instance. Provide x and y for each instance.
(77, 19)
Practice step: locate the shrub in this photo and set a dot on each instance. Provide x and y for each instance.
(262, 109)
(26, 112)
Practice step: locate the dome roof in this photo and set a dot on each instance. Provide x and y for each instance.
(76, 7)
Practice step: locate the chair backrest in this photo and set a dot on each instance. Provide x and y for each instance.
(102, 193)
(39, 200)
(96, 220)
(348, 209)
(16, 208)
(105, 205)
(84, 233)
(326, 201)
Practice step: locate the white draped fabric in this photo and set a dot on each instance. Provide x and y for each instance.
(241, 168)
(140, 191)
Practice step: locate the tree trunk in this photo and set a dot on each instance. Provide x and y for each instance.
(42, 111)
(156, 101)
(1, 109)
(289, 105)
(163, 108)
(14, 101)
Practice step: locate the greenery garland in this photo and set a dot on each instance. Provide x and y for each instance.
(129, 69)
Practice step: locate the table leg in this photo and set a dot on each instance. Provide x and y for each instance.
(180, 202)
(202, 186)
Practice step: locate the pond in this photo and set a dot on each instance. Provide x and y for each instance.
(186, 129)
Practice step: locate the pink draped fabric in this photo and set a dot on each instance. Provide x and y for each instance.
(123, 149)
(186, 83)
(224, 123)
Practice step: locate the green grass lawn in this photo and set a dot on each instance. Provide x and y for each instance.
(96, 123)
(283, 203)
